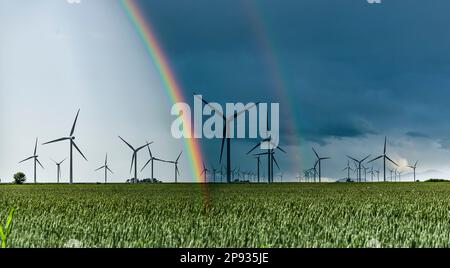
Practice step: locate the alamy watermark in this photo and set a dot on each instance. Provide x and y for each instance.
(239, 120)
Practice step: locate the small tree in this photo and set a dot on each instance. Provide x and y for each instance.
(19, 178)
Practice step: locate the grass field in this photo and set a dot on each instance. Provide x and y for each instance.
(279, 215)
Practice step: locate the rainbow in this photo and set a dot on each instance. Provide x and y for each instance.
(273, 62)
(175, 94)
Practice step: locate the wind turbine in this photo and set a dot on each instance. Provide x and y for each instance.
(71, 138)
(160, 160)
(414, 169)
(384, 156)
(226, 131)
(258, 164)
(205, 171)
(233, 174)
(58, 169)
(214, 171)
(106, 167)
(371, 173)
(392, 171)
(35, 158)
(270, 155)
(151, 160)
(359, 162)
(365, 173)
(221, 174)
(306, 175)
(239, 173)
(348, 168)
(177, 171)
(311, 175)
(134, 158)
(313, 170)
(319, 161)
(378, 175)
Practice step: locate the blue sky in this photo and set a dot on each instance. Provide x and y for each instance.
(346, 73)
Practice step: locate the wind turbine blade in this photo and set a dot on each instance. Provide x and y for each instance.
(221, 148)
(385, 141)
(142, 147)
(35, 147)
(279, 148)
(106, 159)
(58, 140)
(37, 160)
(31, 157)
(375, 159)
(276, 163)
(415, 165)
(63, 161)
(325, 158)
(365, 158)
(211, 106)
(132, 162)
(203, 172)
(150, 152)
(78, 149)
(109, 170)
(352, 158)
(178, 171)
(74, 124)
(99, 168)
(391, 161)
(315, 153)
(236, 114)
(256, 146)
(178, 158)
(131, 147)
(146, 164)
(315, 165)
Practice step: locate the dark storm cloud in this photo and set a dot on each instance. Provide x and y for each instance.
(349, 69)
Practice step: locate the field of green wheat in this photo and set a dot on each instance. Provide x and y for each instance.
(185, 215)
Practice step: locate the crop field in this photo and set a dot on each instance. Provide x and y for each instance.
(277, 215)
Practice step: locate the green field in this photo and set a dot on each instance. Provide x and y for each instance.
(279, 215)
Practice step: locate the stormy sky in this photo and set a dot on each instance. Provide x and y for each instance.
(346, 74)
